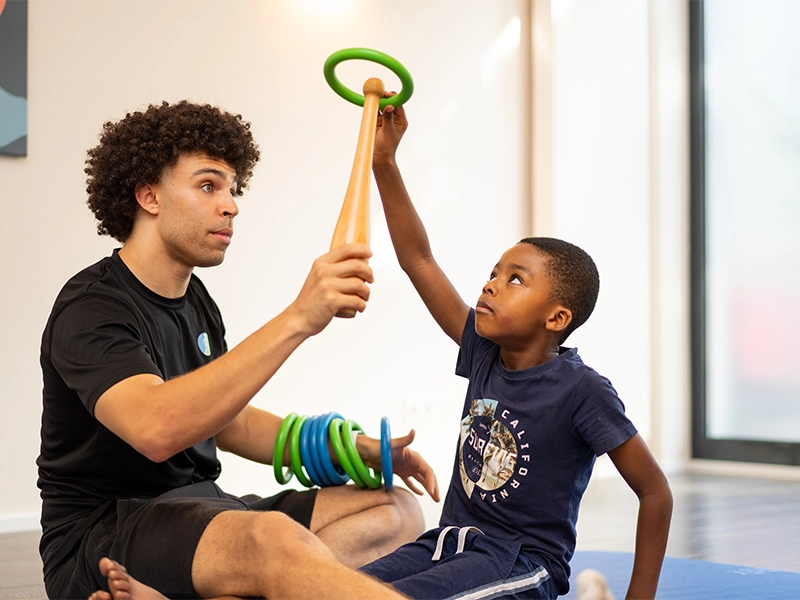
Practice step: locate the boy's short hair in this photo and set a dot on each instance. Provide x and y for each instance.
(573, 277)
(136, 149)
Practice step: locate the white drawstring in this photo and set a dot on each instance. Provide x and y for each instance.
(462, 539)
(440, 542)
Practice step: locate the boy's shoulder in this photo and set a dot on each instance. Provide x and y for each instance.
(580, 381)
(570, 357)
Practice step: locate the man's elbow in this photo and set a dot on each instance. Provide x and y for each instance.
(156, 447)
(157, 453)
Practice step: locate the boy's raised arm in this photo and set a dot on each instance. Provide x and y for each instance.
(642, 473)
(408, 233)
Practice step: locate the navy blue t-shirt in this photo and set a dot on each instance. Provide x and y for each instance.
(527, 446)
(106, 326)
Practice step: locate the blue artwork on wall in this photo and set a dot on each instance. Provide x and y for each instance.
(14, 77)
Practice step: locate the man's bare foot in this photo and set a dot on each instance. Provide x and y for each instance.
(122, 585)
(592, 586)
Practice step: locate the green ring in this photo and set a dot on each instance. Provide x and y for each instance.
(335, 434)
(294, 453)
(280, 446)
(373, 481)
(374, 56)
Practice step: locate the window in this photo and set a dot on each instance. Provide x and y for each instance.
(745, 138)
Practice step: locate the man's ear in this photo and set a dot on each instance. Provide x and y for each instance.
(559, 319)
(147, 197)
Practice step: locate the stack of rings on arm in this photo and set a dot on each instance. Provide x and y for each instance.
(310, 458)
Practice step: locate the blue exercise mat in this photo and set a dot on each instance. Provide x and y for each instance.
(684, 579)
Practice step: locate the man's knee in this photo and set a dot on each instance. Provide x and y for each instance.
(282, 538)
(244, 553)
(410, 520)
(249, 538)
(395, 513)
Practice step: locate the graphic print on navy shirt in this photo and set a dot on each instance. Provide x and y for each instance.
(488, 451)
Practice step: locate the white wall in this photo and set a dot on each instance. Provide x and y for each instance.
(464, 158)
(601, 181)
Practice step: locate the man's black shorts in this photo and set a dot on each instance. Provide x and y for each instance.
(156, 538)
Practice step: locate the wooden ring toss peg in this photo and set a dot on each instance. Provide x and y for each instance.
(353, 223)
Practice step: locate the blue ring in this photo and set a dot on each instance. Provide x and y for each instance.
(386, 453)
(323, 457)
(305, 453)
(319, 449)
(314, 452)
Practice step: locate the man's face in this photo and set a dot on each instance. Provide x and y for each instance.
(197, 209)
(515, 303)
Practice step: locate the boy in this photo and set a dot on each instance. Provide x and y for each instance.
(534, 420)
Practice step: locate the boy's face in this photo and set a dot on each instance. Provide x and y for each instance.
(514, 307)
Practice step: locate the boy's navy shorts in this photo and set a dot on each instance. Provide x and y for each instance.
(155, 539)
(452, 562)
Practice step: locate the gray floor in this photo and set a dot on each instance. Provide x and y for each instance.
(748, 522)
(20, 567)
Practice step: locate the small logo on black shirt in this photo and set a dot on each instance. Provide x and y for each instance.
(204, 344)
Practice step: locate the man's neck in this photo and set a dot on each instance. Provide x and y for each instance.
(155, 269)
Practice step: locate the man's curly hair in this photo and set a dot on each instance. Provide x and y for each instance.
(136, 149)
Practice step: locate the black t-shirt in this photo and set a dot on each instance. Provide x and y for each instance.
(106, 326)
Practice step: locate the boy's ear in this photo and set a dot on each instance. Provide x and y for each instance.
(147, 198)
(559, 319)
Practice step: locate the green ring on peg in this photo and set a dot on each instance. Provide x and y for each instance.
(376, 57)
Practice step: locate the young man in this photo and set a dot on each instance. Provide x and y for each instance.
(139, 390)
(534, 420)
